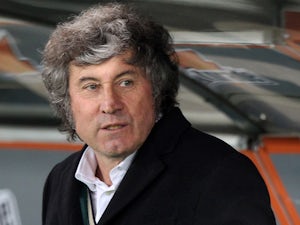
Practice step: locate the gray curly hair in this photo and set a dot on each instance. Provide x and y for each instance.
(98, 34)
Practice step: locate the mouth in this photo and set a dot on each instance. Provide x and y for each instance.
(113, 127)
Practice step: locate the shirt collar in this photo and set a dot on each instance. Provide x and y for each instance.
(87, 166)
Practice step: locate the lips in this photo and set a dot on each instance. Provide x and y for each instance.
(113, 126)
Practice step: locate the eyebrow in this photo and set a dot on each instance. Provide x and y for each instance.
(91, 78)
(87, 78)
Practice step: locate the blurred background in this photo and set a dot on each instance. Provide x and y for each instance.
(239, 81)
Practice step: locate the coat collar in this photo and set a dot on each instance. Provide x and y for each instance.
(148, 163)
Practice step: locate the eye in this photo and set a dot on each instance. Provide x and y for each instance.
(126, 83)
(91, 87)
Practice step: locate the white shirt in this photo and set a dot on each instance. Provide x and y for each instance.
(101, 194)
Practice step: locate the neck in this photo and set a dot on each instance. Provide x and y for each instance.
(104, 168)
(103, 176)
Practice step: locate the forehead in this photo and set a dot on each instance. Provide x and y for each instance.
(115, 66)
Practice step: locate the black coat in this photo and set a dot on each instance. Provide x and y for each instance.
(180, 176)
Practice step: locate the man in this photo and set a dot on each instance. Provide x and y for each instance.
(112, 76)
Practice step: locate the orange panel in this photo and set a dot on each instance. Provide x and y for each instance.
(292, 20)
(40, 145)
(10, 62)
(282, 193)
(281, 144)
(189, 58)
(278, 207)
(282, 204)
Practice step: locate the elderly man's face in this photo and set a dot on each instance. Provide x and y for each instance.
(112, 105)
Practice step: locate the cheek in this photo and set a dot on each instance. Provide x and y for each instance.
(146, 113)
(82, 105)
(142, 103)
(75, 107)
(80, 112)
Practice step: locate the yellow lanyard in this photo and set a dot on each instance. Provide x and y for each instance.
(90, 211)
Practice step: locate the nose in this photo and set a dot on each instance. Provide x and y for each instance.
(110, 101)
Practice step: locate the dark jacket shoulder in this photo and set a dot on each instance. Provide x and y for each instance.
(61, 193)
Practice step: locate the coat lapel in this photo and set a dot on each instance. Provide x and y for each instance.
(147, 165)
(141, 174)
